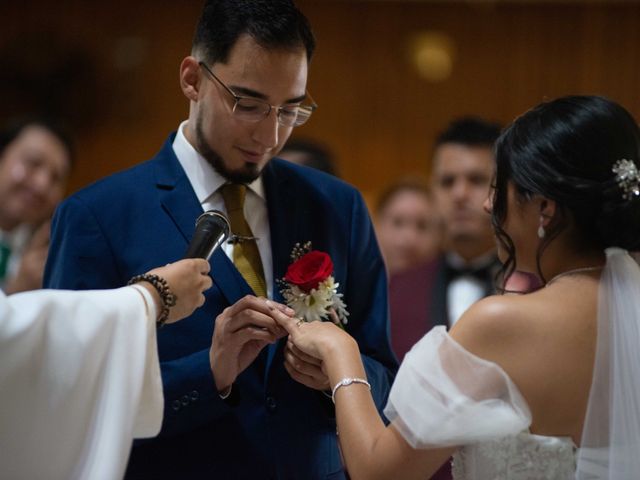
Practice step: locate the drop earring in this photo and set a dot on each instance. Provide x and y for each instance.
(541, 232)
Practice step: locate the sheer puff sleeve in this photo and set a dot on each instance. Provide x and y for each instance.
(445, 396)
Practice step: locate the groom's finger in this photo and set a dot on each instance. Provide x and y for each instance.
(282, 308)
(303, 356)
(307, 380)
(300, 365)
(285, 321)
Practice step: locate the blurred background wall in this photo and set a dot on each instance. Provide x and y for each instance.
(388, 75)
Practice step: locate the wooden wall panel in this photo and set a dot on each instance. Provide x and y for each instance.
(376, 112)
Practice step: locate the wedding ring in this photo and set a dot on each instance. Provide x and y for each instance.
(299, 322)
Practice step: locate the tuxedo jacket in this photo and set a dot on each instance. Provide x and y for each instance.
(133, 221)
(418, 301)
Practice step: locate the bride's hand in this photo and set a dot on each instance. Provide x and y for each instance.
(316, 339)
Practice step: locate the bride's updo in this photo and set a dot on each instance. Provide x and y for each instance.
(566, 150)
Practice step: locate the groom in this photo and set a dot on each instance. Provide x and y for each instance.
(233, 410)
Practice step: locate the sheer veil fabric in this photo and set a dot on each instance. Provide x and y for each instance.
(610, 444)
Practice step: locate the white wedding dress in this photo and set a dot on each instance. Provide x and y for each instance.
(521, 457)
(445, 396)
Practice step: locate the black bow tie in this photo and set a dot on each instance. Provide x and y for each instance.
(484, 273)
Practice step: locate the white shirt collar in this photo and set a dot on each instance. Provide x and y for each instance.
(202, 176)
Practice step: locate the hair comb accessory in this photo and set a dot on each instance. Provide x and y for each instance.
(627, 178)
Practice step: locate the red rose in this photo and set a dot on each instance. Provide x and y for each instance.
(309, 270)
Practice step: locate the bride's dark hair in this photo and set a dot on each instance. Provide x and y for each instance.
(565, 150)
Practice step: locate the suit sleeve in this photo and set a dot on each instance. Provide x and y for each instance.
(79, 255)
(368, 306)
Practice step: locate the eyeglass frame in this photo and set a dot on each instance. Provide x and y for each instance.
(310, 107)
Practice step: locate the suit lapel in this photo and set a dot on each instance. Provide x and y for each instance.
(181, 204)
(439, 311)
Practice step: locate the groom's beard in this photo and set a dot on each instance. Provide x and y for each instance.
(244, 175)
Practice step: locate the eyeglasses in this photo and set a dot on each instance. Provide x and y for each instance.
(255, 110)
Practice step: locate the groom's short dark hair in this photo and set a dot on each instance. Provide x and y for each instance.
(273, 24)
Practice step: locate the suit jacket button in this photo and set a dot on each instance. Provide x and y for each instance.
(271, 404)
(194, 395)
(176, 405)
(185, 400)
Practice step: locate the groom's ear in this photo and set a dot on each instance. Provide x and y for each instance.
(190, 78)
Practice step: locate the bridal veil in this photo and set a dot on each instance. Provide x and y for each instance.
(610, 445)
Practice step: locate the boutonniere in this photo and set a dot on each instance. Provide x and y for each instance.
(310, 289)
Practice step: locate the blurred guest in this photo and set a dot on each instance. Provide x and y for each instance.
(463, 166)
(311, 154)
(408, 226)
(438, 292)
(35, 161)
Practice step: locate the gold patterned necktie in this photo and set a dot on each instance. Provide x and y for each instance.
(246, 256)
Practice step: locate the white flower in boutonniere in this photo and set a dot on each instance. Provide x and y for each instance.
(310, 289)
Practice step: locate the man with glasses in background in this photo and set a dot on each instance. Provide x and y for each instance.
(240, 403)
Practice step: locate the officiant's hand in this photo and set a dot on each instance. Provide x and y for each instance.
(241, 332)
(187, 279)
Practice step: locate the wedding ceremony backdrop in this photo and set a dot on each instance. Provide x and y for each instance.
(387, 75)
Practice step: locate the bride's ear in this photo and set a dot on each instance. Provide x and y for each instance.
(547, 210)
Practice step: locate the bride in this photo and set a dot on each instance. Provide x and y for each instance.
(521, 381)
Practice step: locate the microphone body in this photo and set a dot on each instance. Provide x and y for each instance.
(212, 229)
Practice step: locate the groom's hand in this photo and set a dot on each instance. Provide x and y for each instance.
(305, 369)
(240, 332)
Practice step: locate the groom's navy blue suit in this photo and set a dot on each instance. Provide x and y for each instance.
(133, 221)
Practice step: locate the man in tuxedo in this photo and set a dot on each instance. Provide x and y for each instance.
(239, 403)
(438, 292)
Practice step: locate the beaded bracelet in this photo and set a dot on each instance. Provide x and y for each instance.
(345, 382)
(162, 287)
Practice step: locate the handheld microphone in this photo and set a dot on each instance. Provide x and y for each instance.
(212, 229)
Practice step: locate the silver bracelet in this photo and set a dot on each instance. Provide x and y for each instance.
(345, 382)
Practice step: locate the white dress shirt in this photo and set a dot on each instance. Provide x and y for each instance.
(17, 241)
(206, 183)
(465, 290)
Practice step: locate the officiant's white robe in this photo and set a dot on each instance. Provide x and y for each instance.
(79, 378)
